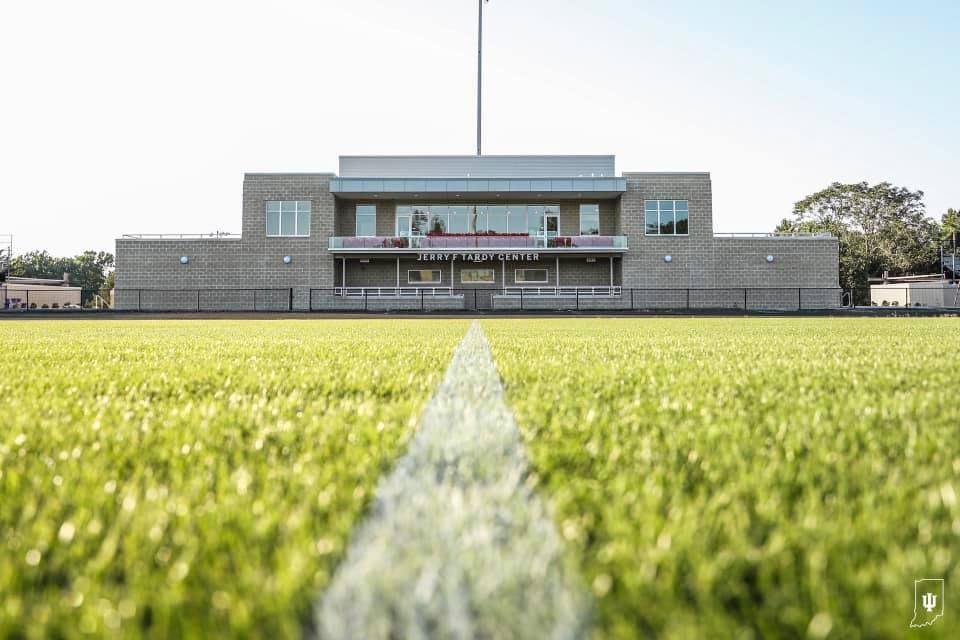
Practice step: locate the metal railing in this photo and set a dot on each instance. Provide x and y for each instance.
(587, 298)
(215, 235)
(392, 292)
(560, 292)
(599, 299)
(490, 242)
(778, 234)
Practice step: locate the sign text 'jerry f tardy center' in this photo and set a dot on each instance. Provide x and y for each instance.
(476, 232)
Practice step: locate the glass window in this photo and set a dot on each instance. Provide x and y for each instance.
(366, 219)
(419, 221)
(468, 276)
(535, 220)
(288, 217)
(527, 276)
(303, 218)
(438, 218)
(682, 217)
(589, 219)
(418, 276)
(273, 218)
(403, 226)
(652, 222)
(517, 218)
(479, 222)
(666, 217)
(497, 219)
(460, 219)
(288, 223)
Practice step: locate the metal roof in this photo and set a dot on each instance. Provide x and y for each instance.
(539, 166)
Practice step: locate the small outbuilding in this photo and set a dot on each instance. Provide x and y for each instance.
(914, 291)
(38, 293)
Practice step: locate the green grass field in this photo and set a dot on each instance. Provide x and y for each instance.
(193, 478)
(721, 478)
(713, 478)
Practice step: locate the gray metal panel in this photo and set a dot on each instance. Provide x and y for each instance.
(371, 186)
(477, 166)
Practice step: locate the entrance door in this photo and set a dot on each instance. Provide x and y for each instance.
(553, 225)
(403, 226)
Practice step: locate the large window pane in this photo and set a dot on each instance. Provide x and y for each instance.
(666, 222)
(418, 276)
(273, 206)
(303, 222)
(589, 219)
(681, 224)
(460, 219)
(517, 218)
(528, 276)
(273, 222)
(535, 220)
(419, 221)
(479, 223)
(288, 222)
(497, 219)
(652, 222)
(468, 276)
(438, 218)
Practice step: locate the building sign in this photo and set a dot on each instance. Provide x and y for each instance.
(467, 256)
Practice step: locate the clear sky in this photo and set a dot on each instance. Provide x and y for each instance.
(134, 117)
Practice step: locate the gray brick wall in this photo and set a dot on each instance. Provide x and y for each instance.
(254, 261)
(699, 260)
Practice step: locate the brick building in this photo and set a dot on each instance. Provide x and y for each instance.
(476, 232)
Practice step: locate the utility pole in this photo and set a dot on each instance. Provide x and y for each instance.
(479, 72)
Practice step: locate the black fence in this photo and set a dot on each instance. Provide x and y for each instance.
(600, 299)
(17, 297)
(477, 299)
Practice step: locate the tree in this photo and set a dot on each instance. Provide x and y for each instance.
(880, 228)
(88, 270)
(950, 228)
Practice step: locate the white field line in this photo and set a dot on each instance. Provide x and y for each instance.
(458, 544)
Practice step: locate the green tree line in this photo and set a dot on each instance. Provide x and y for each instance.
(880, 227)
(92, 271)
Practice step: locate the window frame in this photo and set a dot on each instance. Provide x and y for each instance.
(659, 211)
(300, 207)
(437, 281)
(356, 220)
(546, 275)
(591, 213)
(493, 276)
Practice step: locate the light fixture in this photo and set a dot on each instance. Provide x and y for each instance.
(365, 261)
(591, 259)
(287, 259)
(668, 258)
(770, 258)
(184, 259)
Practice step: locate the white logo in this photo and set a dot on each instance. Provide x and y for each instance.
(927, 601)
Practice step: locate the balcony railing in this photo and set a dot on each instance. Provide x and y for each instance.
(477, 241)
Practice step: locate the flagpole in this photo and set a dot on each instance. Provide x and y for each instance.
(479, 71)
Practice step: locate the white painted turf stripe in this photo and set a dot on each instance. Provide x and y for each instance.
(458, 544)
